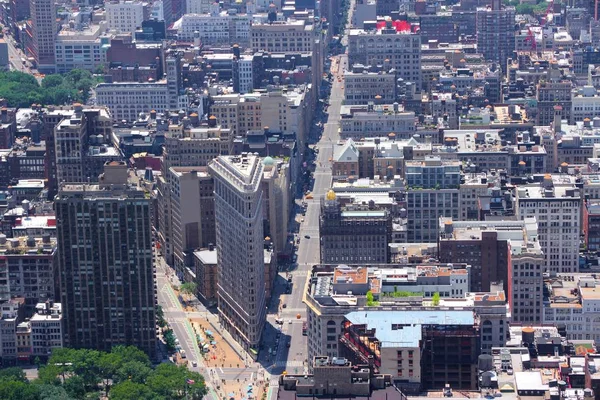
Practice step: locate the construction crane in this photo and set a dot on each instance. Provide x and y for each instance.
(531, 39)
(549, 14)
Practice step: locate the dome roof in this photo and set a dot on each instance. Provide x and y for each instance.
(331, 195)
(268, 161)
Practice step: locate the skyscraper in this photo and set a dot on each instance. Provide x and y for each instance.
(240, 256)
(43, 23)
(105, 263)
(496, 32)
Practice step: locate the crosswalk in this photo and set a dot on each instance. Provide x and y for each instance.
(291, 311)
(288, 364)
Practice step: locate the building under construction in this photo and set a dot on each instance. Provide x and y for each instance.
(421, 350)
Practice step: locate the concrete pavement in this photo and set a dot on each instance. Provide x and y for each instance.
(16, 56)
(294, 358)
(179, 321)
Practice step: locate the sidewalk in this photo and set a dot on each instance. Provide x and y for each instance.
(224, 360)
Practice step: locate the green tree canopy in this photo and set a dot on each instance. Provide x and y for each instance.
(22, 90)
(16, 390)
(51, 81)
(435, 300)
(169, 380)
(13, 374)
(129, 390)
(80, 374)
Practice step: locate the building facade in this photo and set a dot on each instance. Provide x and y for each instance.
(108, 290)
(125, 16)
(44, 29)
(239, 234)
(495, 32)
(557, 208)
(353, 235)
(432, 191)
(387, 47)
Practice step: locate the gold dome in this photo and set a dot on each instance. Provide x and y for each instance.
(331, 195)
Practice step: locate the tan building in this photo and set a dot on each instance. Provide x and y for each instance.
(506, 252)
(192, 213)
(239, 113)
(283, 36)
(364, 121)
(276, 202)
(557, 208)
(364, 87)
(193, 147)
(44, 29)
(278, 110)
(387, 47)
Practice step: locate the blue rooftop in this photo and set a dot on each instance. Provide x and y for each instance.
(406, 336)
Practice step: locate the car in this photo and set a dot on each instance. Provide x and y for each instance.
(307, 236)
(288, 344)
(284, 305)
(289, 321)
(194, 364)
(302, 220)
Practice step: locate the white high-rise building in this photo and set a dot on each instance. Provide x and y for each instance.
(557, 209)
(239, 237)
(200, 6)
(125, 16)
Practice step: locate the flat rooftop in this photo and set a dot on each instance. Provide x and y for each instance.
(208, 257)
(409, 333)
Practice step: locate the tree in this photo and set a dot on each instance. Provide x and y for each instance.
(131, 353)
(48, 374)
(524, 9)
(75, 386)
(170, 381)
(12, 374)
(100, 70)
(370, 301)
(169, 339)
(51, 392)
(160, 317)
(129, 390)
(16, 390)
(188, 289)
(51, 81)
(435, 300)
(109, 364)
(134, 371)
